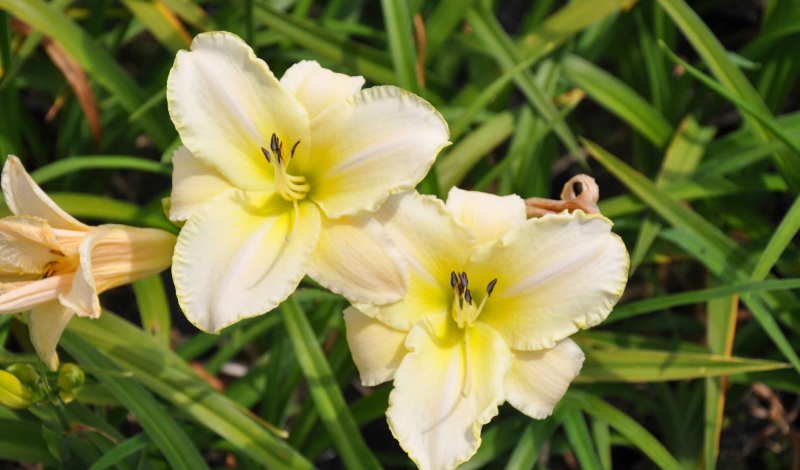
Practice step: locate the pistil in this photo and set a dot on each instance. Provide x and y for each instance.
(465, 313)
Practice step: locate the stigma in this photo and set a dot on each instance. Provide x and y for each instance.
(291, 187)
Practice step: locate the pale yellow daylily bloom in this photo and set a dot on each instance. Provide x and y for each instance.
(277, 179)
(55, 266)
(492, 300)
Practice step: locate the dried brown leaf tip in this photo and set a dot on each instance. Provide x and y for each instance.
(580, 192)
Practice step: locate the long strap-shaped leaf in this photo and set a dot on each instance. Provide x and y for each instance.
(121, 451)
(324, 391)
(180, 452)
(167, 375)
(766, 120)
(686, 219)
(574, 17)
(69, 165)
(626, 426)
(21, 440)
(716, 58)
(643, 365)
(489, 30)
(719, 338)
(89, 206)
(151, 298)
(722, 324)
(618, 98)
(397, 20)
(685, 298)
(702, 188)
(94, 59)
(580, 440)
(369, 62)
(453, 167)
(680, 161)
(161, 22)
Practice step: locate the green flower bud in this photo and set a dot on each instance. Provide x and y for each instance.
(70, 377)
(66, 397)
(70, 380)
(25, 373)
(13, 393)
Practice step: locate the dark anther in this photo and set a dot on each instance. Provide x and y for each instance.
(266, 154)
(453, 279)
(577, 188)
(464, 280)
(291, 155)
(490, 287)
(460, 289)
(277, 147)
(468, 297)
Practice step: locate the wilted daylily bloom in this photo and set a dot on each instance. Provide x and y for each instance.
(492, 300)
(277, 180)
(55, 266)
(581, 192)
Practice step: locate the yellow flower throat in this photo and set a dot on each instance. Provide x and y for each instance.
(465, 312)
(292, 188)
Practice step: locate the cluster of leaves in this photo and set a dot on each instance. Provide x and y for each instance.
(713, 163)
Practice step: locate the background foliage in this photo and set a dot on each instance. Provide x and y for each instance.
(697, 366)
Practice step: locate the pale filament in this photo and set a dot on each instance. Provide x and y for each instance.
(291, 188)
(465, 312)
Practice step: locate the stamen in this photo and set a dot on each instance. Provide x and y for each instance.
(453, 280)
(291, 155)
(49, 269)
(465, 392)
(468, 297)
(478, 310)
(456, 311)
(464, 280)
(274, 144)
(290, 187)
(490, 287)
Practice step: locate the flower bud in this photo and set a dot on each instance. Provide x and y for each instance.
(25, 373)
(70, 380)
(13, 393)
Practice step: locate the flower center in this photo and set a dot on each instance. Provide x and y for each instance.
(290, 187)
(61, 266)
(465, 312)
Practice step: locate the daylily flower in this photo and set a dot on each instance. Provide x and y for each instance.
(492, 300)
(277, 180)
(55, 266)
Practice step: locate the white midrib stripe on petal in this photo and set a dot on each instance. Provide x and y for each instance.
(580, 255)
(238, 266)
(223, 91)
(377, 146)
